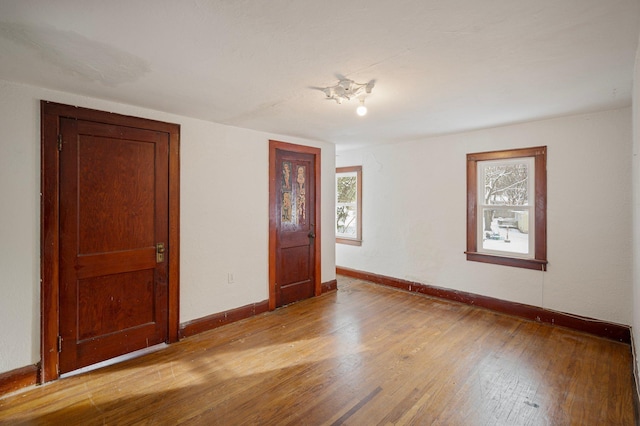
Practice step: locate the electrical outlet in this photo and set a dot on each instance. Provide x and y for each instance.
(230, 278)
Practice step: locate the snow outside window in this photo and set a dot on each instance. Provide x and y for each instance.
(507, 207)
(349, 205)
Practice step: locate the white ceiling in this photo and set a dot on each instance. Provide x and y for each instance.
(440, 66)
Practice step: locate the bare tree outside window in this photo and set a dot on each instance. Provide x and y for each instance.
(506, 207)
(349, 205)
(347, 191)
(505, 185)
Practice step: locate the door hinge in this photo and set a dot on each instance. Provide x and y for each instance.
(60, 142)
(59, 344)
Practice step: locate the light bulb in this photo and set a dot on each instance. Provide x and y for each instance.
(361, 110)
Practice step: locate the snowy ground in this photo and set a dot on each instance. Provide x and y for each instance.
(519, 242)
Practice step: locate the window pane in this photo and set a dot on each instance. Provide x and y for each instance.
(346, 223)
(506, 184)
(505, 229)
(347, 189)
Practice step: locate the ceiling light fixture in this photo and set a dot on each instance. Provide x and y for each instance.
(347, 89)
(361, 110)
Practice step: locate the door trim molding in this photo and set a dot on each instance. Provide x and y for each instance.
(50, 115)
(284, 146)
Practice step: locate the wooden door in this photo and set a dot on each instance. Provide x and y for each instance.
(113, 215)
(295, 217)
(107, 264)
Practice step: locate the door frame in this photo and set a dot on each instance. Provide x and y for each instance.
(273, 214)
(50, 115)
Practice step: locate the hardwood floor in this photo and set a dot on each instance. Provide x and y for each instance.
(364, 355)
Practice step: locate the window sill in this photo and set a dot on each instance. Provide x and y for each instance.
(349, 241)
(535, 264)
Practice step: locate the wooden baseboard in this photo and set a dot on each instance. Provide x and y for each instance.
(14, 380)
(210, 322)
(17, 379)
(621, 333)
(636, 377)
(329, 286)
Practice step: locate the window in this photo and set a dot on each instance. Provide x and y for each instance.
(506, 207)
(349, 205)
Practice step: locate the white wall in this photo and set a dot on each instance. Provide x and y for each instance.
(224, 215)
(414, 215)
(636, 211)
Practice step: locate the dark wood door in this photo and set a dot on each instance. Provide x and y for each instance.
(113, 213)
(295, 226)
